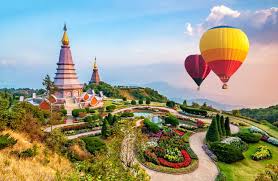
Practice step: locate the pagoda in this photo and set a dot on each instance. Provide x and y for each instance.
(66, 78)
(95, 76)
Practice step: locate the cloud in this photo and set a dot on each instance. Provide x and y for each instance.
(189, 29)
(261, 26)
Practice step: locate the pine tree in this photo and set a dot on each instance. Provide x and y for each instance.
(227, 126)
(212, 133)
(222, 125)
(219, 125)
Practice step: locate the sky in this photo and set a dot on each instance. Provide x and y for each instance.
(139, 42)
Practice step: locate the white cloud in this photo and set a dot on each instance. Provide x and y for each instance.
(261, 26)
(189, 29)
(217, 13)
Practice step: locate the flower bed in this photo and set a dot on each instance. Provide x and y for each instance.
(262, 153)
(167, 151)
(272, 141)
(184, 163)
(254, 129)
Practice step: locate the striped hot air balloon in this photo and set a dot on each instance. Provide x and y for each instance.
(197, 68)
(224, 48)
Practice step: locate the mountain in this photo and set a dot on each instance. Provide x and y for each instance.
(179, 94)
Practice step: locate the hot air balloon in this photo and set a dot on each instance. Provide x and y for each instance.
(197, 68)
(224, 48)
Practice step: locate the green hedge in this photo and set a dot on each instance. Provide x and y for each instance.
(249, 137)
(75, 112)
(127, 114)
(110, 108)
(151, 126)
(226, 153)
(172, 120)
(94, 144)
(194, 111)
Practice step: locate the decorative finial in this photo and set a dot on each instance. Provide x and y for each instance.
(65, 39)
(65, 27)
(95, 63)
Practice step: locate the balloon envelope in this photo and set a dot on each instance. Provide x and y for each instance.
(224, 48)
(197, 68)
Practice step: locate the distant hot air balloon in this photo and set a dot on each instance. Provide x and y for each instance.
(197, 68)
(224, 48)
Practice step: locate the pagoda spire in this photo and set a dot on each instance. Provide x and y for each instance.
(95, 76)
(95, 63)
(65, 39)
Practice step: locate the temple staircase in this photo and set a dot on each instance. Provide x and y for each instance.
(70, 105)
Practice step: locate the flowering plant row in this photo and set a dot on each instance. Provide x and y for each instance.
(180, 133)
(185, 163)
(262, 153)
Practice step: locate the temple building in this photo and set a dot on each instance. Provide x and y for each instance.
(66, 78)
(95, 76)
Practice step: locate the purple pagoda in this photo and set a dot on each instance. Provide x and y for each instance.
(66, 78)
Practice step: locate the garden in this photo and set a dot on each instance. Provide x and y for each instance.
(165, 147)
(240, 156)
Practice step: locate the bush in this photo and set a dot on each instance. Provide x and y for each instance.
(151, 126)
(75, 112)
(94, 144)
(227, 126)
(30, 152)
(236, 142)
(170, 104)
(127, 114)
(226, 153)
(148, 101)
(6, 141)
(249, 137)
(254, 129)
(172, 120)
(124, 98)
(141, 101)
(133, 102)
(262, 153)
(64, 112)
(110, 108)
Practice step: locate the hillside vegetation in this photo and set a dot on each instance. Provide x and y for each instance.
(132, 93)
(45, 165)
(270, 114)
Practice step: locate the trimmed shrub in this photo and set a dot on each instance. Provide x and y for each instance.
(222, 123)
(219, 125)
(273, 141)
(172, 120)
(110, 108)
(94, 144)
(6, 141)
(212, 133)
(236, 142)
(127, 115)
(141, 101)
(151, 126)
(148, 101)
(75, 112)
(254, 129)
(64, 112)
(170, 104)
(195, 111)
(133, 102)
(249, 137)
(226, 153)
(227, 126)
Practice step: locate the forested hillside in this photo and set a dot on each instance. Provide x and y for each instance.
(270, 114)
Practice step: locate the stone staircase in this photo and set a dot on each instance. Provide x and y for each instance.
(70, 105)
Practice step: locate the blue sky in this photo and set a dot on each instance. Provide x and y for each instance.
(121, 34)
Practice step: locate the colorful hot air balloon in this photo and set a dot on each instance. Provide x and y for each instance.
(224, 48)
(197, 68)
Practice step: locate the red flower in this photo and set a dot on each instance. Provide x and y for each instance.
(180, 133)
(185, 163)
(200, 123)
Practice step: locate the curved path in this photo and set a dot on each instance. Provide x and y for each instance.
(206, 171)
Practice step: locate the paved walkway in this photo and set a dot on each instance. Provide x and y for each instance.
(206, 171)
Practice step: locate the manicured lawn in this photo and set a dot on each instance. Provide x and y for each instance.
(248, 169)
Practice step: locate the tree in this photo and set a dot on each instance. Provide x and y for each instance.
(236, 112)
(227, 126)
(56, 139)
(219, 125)
(170, 104)
(212, 133)
(49, 85)
(109, 118)
(105, 129)
(148, 101)
(124, 98)
(222, 125)
(184, 103)
(133, 102)
(204, 106)
(195, 105)
(141, 101)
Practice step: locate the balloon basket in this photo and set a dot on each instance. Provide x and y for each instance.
(225, 86)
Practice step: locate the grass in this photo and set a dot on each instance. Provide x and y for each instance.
(248, 169)
(270, 129)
